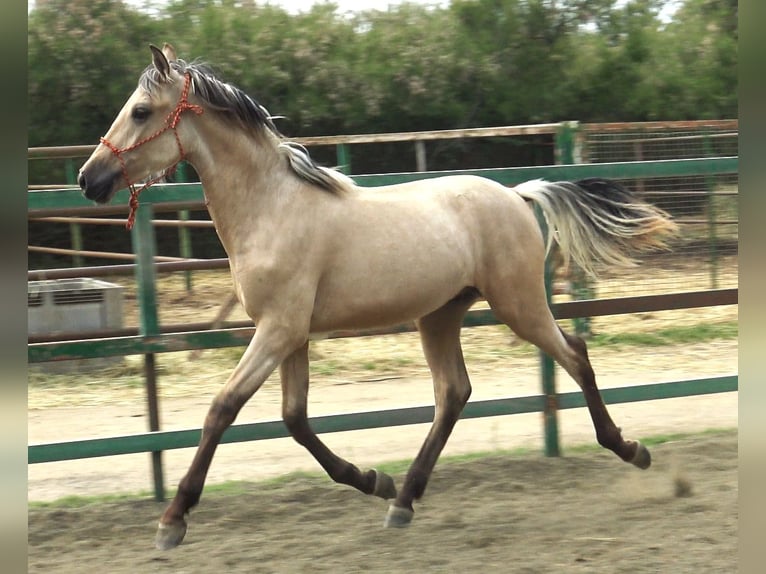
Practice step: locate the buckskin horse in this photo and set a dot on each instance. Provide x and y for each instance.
(310, 253)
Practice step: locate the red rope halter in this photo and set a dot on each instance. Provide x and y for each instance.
(171, 121)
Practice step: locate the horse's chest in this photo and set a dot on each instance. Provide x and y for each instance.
(271, 285)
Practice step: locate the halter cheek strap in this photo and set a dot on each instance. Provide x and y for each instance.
(171, 122)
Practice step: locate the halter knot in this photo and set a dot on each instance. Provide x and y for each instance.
(171, 123)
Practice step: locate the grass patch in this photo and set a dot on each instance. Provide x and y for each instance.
(701, 333)
(77, 501)
(324, 367)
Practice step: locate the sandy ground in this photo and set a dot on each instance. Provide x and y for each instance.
(526, 514)
(262, 459)
(585, 513)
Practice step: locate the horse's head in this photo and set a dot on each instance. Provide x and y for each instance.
(145, 137)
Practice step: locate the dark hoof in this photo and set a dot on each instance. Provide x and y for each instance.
(642, 459)
(384, 485)
(398, 517)
(170, 535)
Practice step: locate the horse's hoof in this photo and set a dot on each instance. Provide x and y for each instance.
(384, 485)
(398, 517)
(642, 459)
(170, 535)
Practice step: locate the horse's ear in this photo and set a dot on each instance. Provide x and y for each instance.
(160, 61)
(170, 52)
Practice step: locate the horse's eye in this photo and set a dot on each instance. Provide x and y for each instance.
(140, 113)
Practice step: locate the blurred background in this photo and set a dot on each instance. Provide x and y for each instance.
(373, 66)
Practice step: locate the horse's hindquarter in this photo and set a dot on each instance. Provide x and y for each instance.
(400, 252)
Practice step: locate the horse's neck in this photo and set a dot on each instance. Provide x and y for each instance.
(245, 183)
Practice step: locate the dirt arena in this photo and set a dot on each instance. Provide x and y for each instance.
(585, 512)
(511, 513)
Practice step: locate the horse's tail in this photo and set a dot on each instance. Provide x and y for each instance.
(597, 221)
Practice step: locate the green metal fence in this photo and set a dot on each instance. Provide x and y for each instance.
(150, 340)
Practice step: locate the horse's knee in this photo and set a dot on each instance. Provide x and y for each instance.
(464, 394)
(222, 413)
(577, 344)
(297, 425)
(456, 395)
(577, 363)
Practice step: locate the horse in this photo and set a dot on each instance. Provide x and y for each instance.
(311, 253)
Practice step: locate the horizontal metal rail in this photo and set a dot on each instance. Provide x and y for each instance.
(97, 254)
(501, 131)
(651, 140)
(127, 269)
(89, 209)
(39, 203)
(661, 125)
(66, 152)
(168, 440)
(122, 222)
(219, 338)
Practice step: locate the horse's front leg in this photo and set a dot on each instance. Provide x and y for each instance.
(266, 350)
(294, 372)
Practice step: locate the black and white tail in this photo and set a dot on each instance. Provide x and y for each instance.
(597, 221)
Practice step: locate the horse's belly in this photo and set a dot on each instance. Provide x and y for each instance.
(381, 301)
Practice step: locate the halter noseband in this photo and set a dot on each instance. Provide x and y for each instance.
(171, 121)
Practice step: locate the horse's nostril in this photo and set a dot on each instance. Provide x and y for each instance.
(81, 180)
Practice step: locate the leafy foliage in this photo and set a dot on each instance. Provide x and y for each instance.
(472, 63)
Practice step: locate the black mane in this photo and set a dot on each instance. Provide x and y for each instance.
(219, 95)
(235, 105)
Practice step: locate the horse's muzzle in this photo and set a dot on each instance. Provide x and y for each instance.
(99, 186)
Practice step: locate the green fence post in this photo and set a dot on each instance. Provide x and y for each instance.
(144, 248)
(547, 368)
(564, 143)
(184, 234)
(711, 215)
(75, 236)
(581, 287)
(344, 158)
(75, 231)
(185, 246)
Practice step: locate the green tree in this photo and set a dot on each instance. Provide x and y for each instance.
(696, 76)
(473, 63)
(411, 67)
(84, 57)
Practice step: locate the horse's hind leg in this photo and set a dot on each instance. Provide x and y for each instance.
(294, 372)
(607, 433)
(440, 337)
(532, 320)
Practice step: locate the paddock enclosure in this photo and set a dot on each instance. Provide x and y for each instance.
(501, 514)
(688, 168)
(573, 510)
